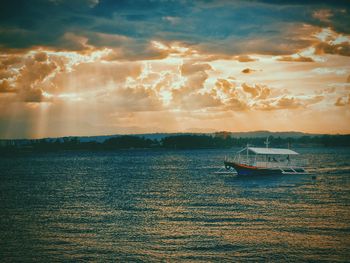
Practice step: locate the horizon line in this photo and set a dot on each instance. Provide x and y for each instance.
(182, 132)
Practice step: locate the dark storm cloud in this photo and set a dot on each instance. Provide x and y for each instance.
(229, 27)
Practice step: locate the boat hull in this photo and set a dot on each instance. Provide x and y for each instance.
(246, 170)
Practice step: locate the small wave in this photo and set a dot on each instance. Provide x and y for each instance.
(218, 248)
(332, 170)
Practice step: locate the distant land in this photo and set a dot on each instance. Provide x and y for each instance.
(175, 141)
(159, 136)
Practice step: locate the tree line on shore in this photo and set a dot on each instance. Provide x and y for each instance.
(175, 142)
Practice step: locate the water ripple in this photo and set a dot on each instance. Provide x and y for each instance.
(169, 206)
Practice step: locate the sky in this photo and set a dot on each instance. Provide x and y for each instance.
(96, 67)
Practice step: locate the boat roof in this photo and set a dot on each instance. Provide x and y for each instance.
(272, 151)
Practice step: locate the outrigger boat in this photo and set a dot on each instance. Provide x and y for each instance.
(265, 161)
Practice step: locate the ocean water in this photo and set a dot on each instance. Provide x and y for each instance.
(159, 205)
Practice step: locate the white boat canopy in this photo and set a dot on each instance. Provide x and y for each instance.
(272, 151)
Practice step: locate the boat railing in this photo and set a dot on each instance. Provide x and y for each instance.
(251, 161)
(280, 164)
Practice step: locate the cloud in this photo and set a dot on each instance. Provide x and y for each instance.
(323, 15)
(5, 74)
(94, 76)
(225, 86)
(10, 61)
(172, 19)
(245, 58)
(233, 98)
(313, 100)
(248, 70)
(126, 64)
(29, 94)
(187, 100)
(136, 51)
(87, 24)
(342, 49)
(5, 87)
(332, 71)
(289, 102)
(251, 90)
(279, 104)
(74, 42)
(298, 58)
(281, 38)
(260, 97)
(258, 92)
(264, 91)
(196, 74)
(134, 99)
(38, 76)
(342, 101)
(191, 68)
(237, 104)
(40, 57)
(26, 76)
(331, 42)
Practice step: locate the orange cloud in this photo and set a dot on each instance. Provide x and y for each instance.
(134, 99)
(313, 100)
(342, 49)
(74, 42)
(237, 104)
(245, 58)
(196, 74)
(225, 86)
(32, 95)
(183, 99)
(248, 70)
(323, 15)
(191, 68)
(342, 101)
(9, 60)
(258, 92)
(296, 59)
(6, 88)
(181, 91)
(278, 104)
(31, 73)
(94, 76)
(287, 103)
(41, 57)
(251, 90)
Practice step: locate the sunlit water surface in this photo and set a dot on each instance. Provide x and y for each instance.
(152, 205)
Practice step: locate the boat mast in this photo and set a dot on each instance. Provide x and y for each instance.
(267, 142)
(267, 146)
(247, 153)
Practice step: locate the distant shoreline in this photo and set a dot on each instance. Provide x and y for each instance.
(181, 142)
(160, 135)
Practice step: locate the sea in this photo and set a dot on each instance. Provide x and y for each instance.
(171, 206)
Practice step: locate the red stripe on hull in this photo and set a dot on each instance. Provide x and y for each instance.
(243, 169)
